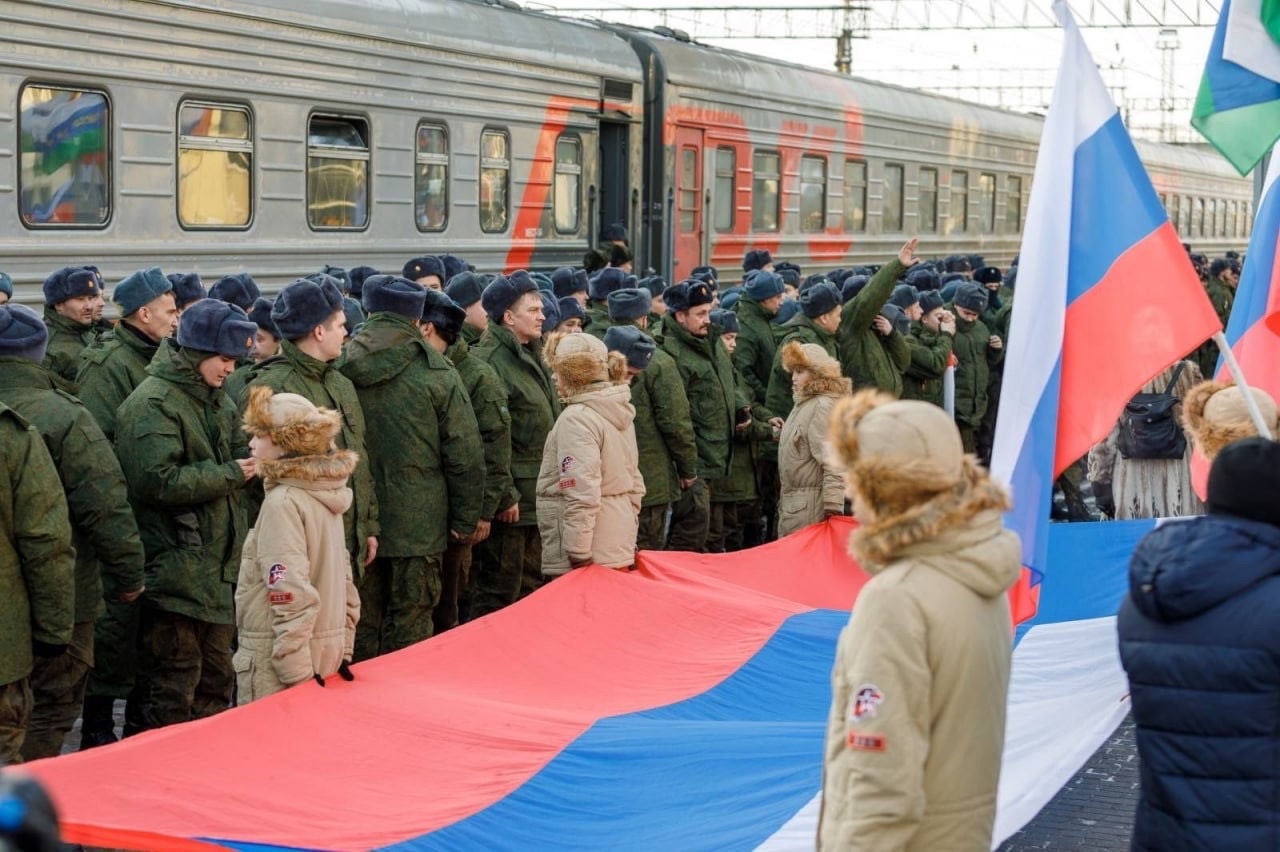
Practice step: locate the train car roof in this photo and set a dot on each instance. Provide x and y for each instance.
(500, 29)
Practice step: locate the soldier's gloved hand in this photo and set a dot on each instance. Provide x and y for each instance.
(319, 679)
(344, 671)
(46, 651)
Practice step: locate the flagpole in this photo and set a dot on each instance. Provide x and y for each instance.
(1236, 373)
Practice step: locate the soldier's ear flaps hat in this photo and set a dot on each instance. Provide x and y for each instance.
(688, 295)
(187, 287)
(217, 327)
(22, 333)
(444, 313)
(465, 289)
(971, 296)
(634, 345)
(421, 267)
(6, 284)
(566, 281)
(930, 300)
(503, 291)
(303, 305)
(260, 315)
(140, 288)
(569, 307)
(238, 289)
(629, 304)
(394, 295)
(819, 300)
(71, 282)
(726, 321)
(357, 276)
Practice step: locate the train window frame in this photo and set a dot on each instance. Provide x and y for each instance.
(494, 164)
(1013, 204)
(188, 142)
(423, 159)
(109, 159)
(724, 192)
(958, 224)
(986, 203)
(556, 194)
(854, 190)
(338, 152)
(901, 170)
(927, 225)
(806, 212)
(760, 177)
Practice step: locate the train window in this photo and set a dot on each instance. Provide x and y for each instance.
(215, 165)
(723, 197)
(1197, 217)
(813, 193)
(986, 203)
(495, 181)
(765, 199)
(64, 152)
(1013, 204)
(431, 178)
(688, 201)
(338, 172)
(927, 201)
(568, 197)
(958, 219)
(891, 204)
(855, 195)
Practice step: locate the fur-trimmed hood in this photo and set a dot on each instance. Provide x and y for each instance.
(824, 371)
(291, 421)
(323, 476)
(1214, 414)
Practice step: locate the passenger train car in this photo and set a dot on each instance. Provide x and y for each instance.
(274, 137)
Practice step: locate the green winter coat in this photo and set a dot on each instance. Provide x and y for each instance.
(532, 405)
(239, 380)
(488, 397)
(67, 341)
(707, 373)
(866, 357)
(110, 370)
(597, 315)
(780, 400)
(293, 371)
(930, 354)
(177, 440)
(104, 533)
(664, 439)
(471, 334)
(740, 485)
(756, 350)
(600, 325)
(424, 451)
(975, 358)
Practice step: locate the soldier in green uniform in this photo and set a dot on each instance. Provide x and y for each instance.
(465, 289)
(1224, 277)
(976, 350)
(600, 286)
(71, 298)
(424, 462)
(508, 565)
(177, 438)
(996, 318)
(817, 322)
(930, 342)
(872, 352)
(668, 454)
(266, 344)
(443, 320)
(753, 360)
(104, 533)
(111, 368)
(714, 404)
(37, 571)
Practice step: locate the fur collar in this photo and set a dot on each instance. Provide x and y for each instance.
(336, 466)
(820, 385)
(928, 517)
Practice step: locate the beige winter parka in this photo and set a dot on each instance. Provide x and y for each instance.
(811, 486)
(916, 730)
(296, 601)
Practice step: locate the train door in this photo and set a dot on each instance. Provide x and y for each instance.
(689, 219)
(614, 169)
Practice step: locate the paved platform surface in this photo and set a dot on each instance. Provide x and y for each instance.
(1095, 810)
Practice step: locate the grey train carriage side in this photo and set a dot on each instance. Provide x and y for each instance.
(277, 137)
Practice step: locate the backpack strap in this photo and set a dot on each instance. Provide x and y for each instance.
(1177, 374)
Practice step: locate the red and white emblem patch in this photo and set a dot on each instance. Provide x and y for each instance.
(568, 483)
(865, 703)
(275, 574)
(567, 463)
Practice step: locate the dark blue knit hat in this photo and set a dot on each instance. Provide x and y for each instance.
(357, 276)
(761, 285)
(904, 296)
(629, 303)
(929, 300)
(550, 311)
(726, 321)
(503, 291)
(237, 289)
(187, 287)
(566, 281)
(72, 282)
(303, 305)
(465, 289)
(216, 327)
(140, 288)
(340, 275)
(421, 267)
(444, 313)
(22, 333)
(260, 315)
(6, 284)
(569, 307)
(756, 259)
(820, 299)
(393, 295)
(636, 346)
(606, 281)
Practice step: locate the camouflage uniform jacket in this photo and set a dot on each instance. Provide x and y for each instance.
(111, 369)
(865, 356)
(930, 354)
(707, 372)
(67, 342)
(489, 403)
(756, 350)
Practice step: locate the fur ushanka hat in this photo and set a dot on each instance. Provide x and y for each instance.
(581, 360)
(292, 422)
(1214, 414)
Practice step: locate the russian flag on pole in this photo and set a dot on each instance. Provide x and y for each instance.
(1087, 332)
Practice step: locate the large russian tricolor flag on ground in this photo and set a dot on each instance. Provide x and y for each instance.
(1107, 297)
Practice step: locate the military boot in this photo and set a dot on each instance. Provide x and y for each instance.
(98, 726)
